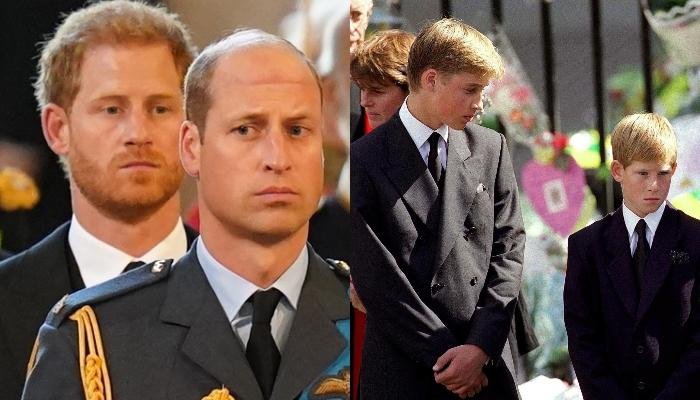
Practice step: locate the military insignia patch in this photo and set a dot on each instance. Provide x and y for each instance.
(219, 394)
(334, 382)
(334, 386)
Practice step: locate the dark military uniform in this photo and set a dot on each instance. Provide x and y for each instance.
(166, 336)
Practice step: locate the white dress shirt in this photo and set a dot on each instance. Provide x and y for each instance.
(99, 262)
(420, 133)
(652, 220)
(233, 292)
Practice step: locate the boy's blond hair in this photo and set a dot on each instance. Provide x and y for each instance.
(644, 137)
(110, 22)
(381, 60)
(451, 46)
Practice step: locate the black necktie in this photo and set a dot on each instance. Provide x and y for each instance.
(262, 352)
(433, 161)
(641, 253)
(133, 265)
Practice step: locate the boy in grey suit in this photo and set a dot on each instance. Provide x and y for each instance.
(438, 231)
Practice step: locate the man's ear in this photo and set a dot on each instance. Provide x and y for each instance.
(190, 148)
(56, 127)
(616, 169)
(428, 79)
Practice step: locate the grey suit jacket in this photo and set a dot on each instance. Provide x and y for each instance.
(30, 283)
(166, 336)
(434, 271)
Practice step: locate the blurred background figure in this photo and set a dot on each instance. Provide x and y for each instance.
(319, 29)
(360, 11)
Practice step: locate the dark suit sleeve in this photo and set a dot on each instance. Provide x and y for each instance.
(583, 319)
(56, 374)
(385, 290)
(491, 321)
(684, 382)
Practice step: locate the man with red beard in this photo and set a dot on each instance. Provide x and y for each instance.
(110, 92)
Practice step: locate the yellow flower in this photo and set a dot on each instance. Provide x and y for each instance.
(17, 190)
(219, 394)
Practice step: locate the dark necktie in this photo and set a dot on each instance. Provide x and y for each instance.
(262, 352)
(641, 253)
(133, 265)
(433, 161)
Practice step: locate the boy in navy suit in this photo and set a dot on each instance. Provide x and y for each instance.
(630, 299)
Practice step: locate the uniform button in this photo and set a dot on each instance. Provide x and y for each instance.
(641, 386)
(640, 349)
(436, 287)
(473, 281)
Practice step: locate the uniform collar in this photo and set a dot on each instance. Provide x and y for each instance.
(233, 291)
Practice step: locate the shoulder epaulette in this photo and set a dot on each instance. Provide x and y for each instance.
(122, 284)
(341, 268)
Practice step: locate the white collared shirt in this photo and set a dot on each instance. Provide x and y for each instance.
(420, 133)
(652, 220)
(99, 262)
(233, 292)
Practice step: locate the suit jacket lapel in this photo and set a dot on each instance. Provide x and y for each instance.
(458, 192)
(210, 341)
(409, 173)
(659, 263)
(620, 266)
(314, 342)
(42, 281)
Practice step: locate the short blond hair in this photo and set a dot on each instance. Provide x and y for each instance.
(382, 60)
(109, 22)
(451, 46)
(644, 137)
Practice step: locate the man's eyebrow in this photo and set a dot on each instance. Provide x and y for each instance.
(122, 98)
(161, 97)
(248, 117)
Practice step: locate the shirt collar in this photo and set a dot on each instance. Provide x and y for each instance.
(233, 291)
(652, 219)
(420, 132)
(99, 261)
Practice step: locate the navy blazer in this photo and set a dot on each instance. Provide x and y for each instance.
(621, 347)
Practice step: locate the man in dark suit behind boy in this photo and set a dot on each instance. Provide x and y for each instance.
(630, 299)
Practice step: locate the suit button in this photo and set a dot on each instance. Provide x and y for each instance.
(640, 349)
(436, 287)
(473, 281)
(641, 386)
(470, 232)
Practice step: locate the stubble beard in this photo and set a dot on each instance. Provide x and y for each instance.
(130, 198)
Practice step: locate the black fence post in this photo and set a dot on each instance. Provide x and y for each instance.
(497, 12)
(599, 87)
(646, 62)
(446, 8)
(548, 52)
